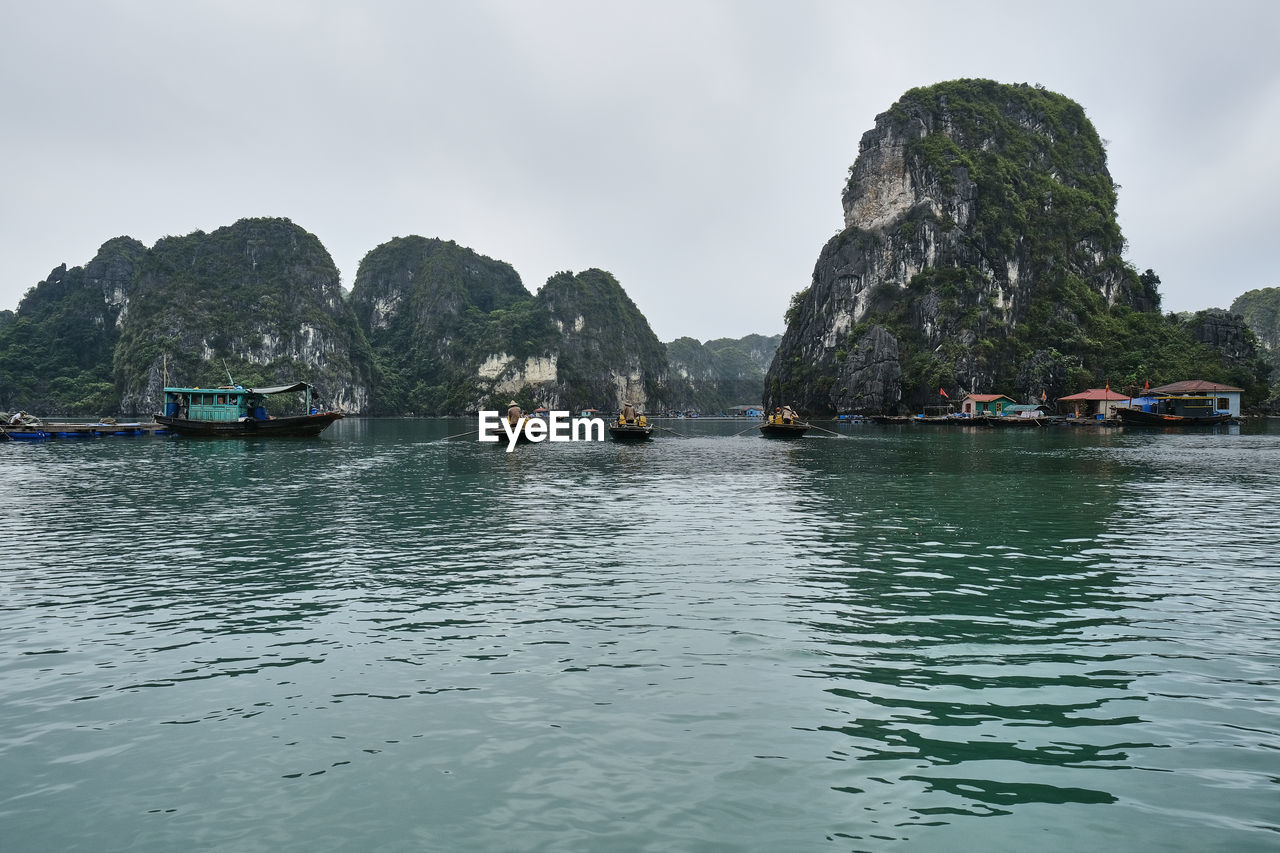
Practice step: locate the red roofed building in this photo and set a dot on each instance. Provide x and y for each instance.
(985, 404)
(1226, 397)
(1093, 402)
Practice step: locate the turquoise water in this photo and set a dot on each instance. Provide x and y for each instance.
(899, 639)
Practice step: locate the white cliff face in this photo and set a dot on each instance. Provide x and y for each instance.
(540, 370)
(579, 323)
(913, 218)
(511, 378)
(383, 309)
(540, 376)
(883, 188)
(494, 365)
(630, 387)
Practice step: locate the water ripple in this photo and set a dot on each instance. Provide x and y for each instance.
(893, 640)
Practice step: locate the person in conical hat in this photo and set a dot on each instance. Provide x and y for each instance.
(514, 412)
(628, 414)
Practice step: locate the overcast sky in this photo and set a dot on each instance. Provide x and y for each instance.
(696, 150)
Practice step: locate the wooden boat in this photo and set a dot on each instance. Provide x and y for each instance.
(43, 430)
(238, 412)
(623, 431)
(522, 434)
(127, 429)
(630, 425)
(1137, 417)
(1009, 421)
(793, 430)
(784, 423)
(943, 420)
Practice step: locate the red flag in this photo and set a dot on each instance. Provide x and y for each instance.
(1042, 396)
(943, 393)
(1146, 385)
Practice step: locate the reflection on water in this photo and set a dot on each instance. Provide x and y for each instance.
(896, 639)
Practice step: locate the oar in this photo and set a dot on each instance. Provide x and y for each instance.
(748, 429)
(836, 434)
(673, 432)
(459, 435)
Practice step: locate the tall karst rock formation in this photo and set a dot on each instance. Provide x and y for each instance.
(260, 299)
(455, 331)
(56, 354)
(979, 243)
(605, 352)
(429, 308)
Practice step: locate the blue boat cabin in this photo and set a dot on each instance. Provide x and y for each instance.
(224, 404)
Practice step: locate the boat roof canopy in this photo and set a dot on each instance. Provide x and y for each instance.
(280, 389)
(274, 389)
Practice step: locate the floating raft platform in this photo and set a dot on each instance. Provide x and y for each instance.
(53, 429)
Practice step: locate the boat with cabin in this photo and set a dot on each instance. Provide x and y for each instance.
(1137, 417)
(1176, 410)
(233, 411)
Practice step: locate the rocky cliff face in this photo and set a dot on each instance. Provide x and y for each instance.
(429, 309)
(451, 331)
(455, 331)
(58, 359)
(1225, 332)
(979, 231)
(1260, 310)
(599, 352)
(714, 377)
(261, 296)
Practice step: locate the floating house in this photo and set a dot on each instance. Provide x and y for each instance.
(977, 405)
(1223, 399)
(1093, 403)
(747, 411)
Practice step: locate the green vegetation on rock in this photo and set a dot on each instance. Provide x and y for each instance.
(1261, 312)
(56, 350)
(981, 236)
(430, 309)
(259, 299)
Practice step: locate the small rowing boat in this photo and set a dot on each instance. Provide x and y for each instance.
(783, 423)
(630, 425)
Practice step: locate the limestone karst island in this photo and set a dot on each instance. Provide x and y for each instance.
(980, 255)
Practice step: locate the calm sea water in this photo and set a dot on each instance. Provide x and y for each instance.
(896, 640)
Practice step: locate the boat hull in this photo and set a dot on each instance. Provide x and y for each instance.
(1137, 417)
(27, 434)
(783, 430)
(630, 432)
(297, 426)
(1010, 422)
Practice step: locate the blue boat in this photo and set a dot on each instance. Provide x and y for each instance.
(233, 411)
(23, 433)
